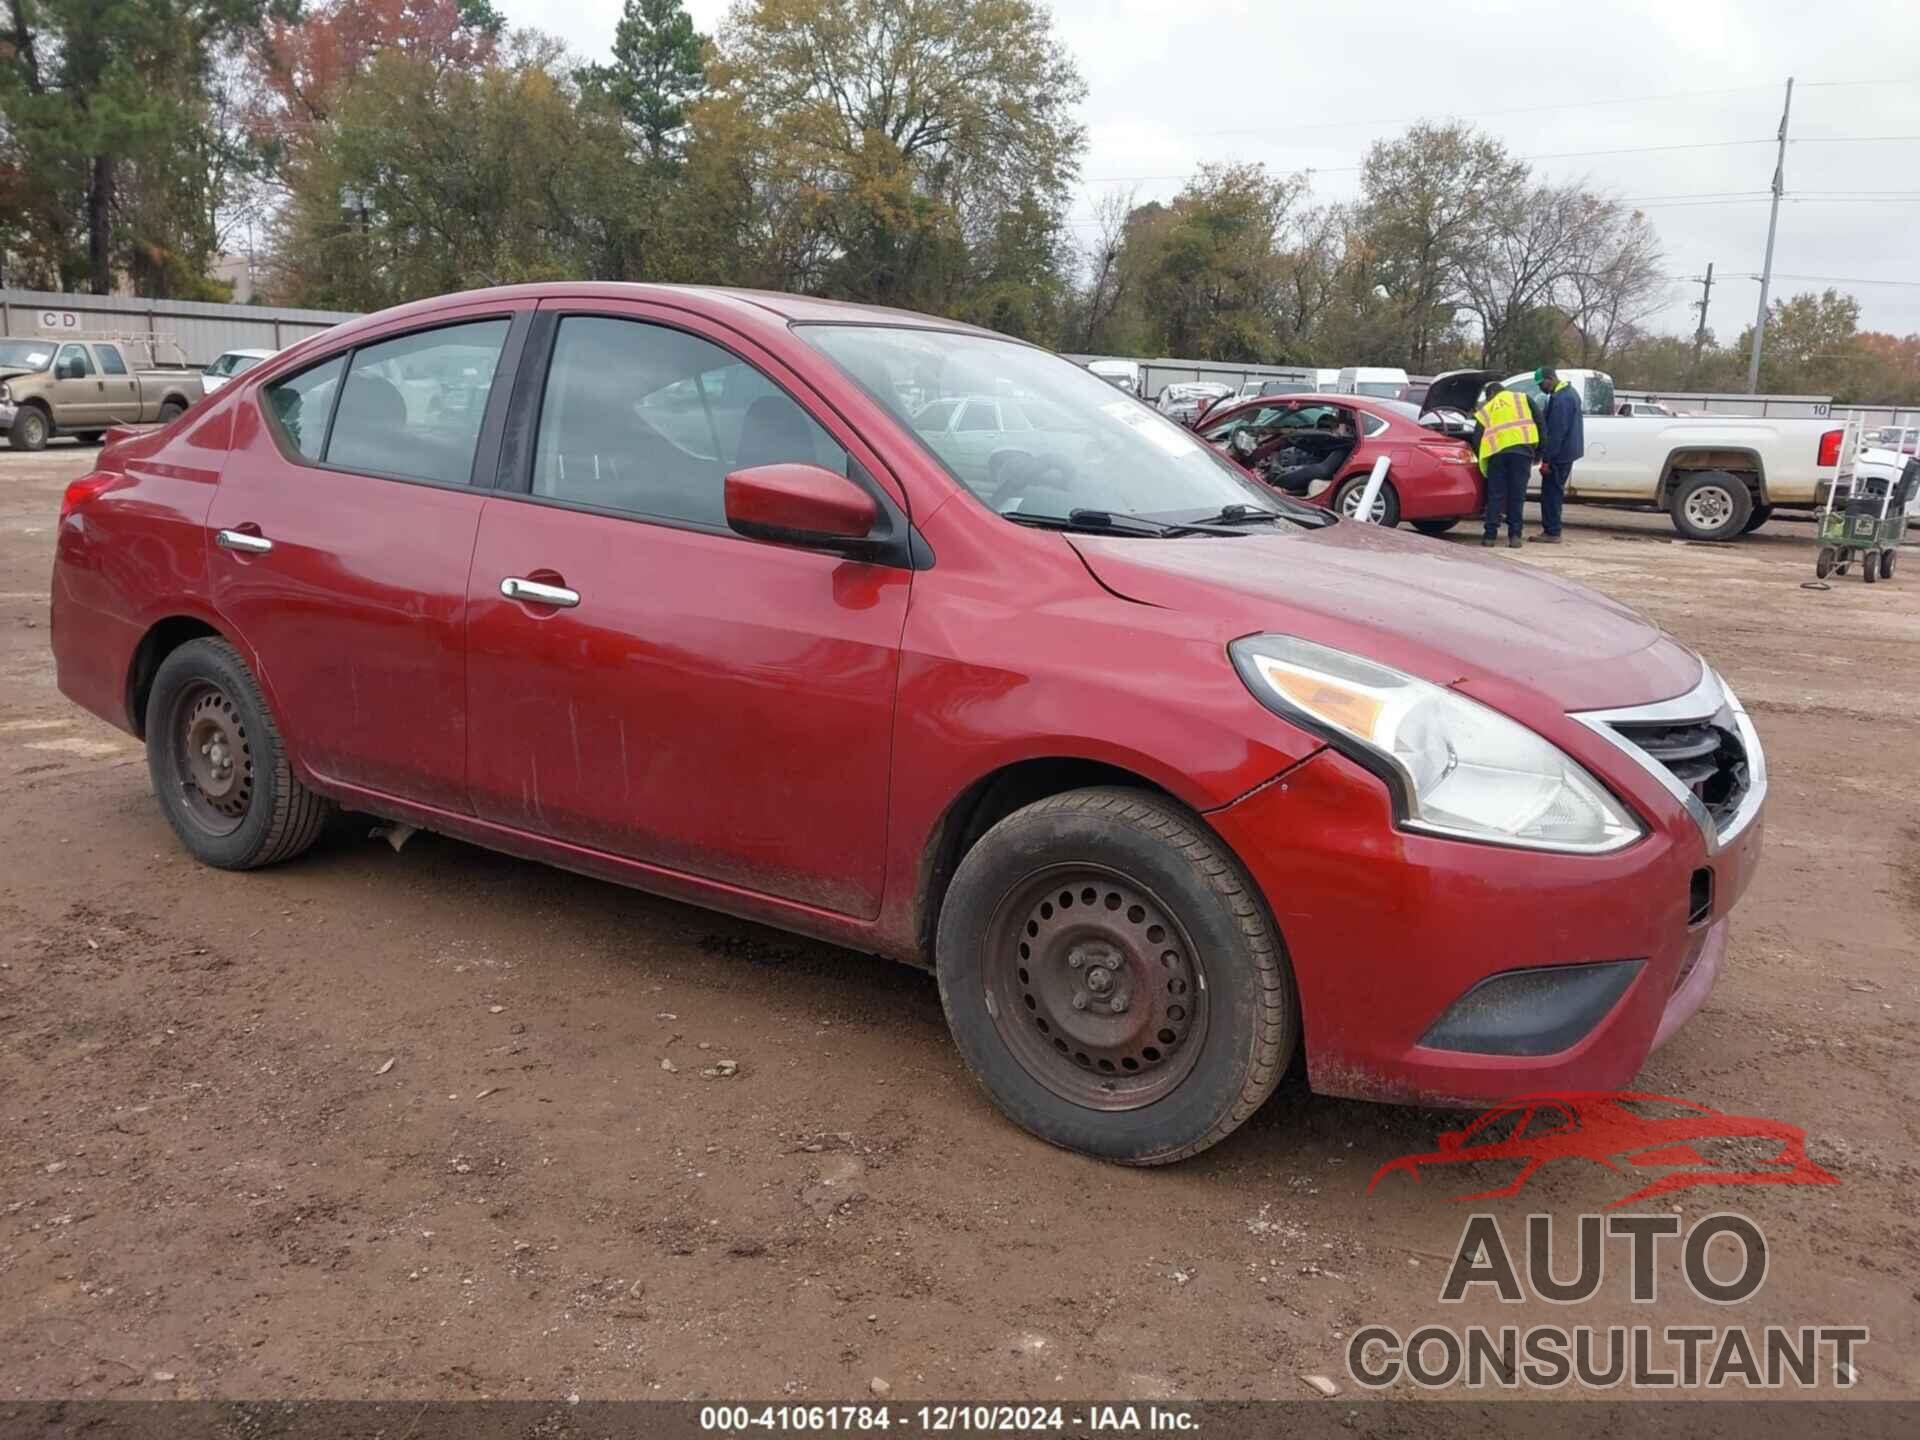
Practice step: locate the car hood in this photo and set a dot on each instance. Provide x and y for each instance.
(1512, 635)
(10, 374)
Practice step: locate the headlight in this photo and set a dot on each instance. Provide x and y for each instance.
(6, 395)
(1456, 767)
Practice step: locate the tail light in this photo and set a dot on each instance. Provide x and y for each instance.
(1830, 446)
(84, 490)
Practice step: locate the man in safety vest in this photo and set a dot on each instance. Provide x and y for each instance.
(1506, 437)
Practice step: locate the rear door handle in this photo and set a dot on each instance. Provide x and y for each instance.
(241, 540)
(534, 593)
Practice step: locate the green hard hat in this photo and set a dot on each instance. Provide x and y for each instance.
(1540, 376)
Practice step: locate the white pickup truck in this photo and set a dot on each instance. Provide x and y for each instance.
(1717, 476)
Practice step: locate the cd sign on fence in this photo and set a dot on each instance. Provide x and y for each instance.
(58, 321)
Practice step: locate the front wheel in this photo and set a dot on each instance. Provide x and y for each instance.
(219, 766)
(1712, 505)
(1434, 527)
(31, 429)
(1886, 564)
(1112, 978)
(1823, 562)
(1386, 505)
(1870, 566)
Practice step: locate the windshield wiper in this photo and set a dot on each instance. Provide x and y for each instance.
(1245, 515)
(1100, 521)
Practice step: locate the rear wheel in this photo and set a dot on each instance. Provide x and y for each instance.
(219, 766)
(1712, 505)
(1434, 527)
(31, 429)
(1761, 514)
(1823, 562)
(1112, 978)
(1386, 505)
(170, 411)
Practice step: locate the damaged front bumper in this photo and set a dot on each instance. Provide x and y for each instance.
(1432, 971)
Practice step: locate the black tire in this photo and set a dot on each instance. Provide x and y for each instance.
(1434, 527)
(1823, 562)
(1870, 566)
(1347, 497)
(1886, 564)
(170, 411)
(31, 429)
(1712, 505)
(1761, 514)
(1242, 1016)
(263, 815)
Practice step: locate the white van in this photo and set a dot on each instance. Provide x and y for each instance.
(1380, 381)
(1326, 382)
(1124, 374)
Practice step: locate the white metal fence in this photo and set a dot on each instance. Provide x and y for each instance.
(204, 331)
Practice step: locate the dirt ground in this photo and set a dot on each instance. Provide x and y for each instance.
(398, 1125)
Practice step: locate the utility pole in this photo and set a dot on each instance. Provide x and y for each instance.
(1773, 225)
(1700, 334)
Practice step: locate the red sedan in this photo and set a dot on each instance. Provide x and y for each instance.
(1321, 448)
(725, 596)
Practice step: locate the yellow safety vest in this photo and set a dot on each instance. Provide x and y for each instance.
(1505, 421)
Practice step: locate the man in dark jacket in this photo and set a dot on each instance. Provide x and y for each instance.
(1563, 440)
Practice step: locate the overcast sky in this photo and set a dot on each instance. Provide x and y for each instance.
(1172, 83)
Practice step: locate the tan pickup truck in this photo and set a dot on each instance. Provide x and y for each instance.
(83, 386)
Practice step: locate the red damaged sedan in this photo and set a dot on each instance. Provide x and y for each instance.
(1321, 448)
(1165, 776)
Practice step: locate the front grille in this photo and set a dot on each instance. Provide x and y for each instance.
(1705, 756)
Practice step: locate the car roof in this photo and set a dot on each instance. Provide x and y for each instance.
(745, 309)
(256, 354)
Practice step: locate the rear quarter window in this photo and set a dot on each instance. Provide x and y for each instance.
(298, 406)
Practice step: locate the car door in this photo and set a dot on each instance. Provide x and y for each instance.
(77, 392)
(120, 389)
(673, 693)
(343, 527)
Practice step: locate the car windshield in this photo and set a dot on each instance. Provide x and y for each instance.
(1086, 448)
(25, 354)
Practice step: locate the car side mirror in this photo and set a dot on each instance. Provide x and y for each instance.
(798, 504)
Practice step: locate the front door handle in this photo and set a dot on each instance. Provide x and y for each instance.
(241, 540)
(534, 593)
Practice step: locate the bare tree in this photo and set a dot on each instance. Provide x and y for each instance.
(1108, 284)
(1619, 280)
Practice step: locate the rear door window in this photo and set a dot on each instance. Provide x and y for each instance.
(299, 405)
(110, 360)
(412, 407)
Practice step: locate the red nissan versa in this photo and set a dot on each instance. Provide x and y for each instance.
(1322, 447)
(1164, 775)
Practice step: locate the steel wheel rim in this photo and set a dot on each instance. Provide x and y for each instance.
(1710, 507)
(35, 431)
(1058, 962)
(213, 758)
